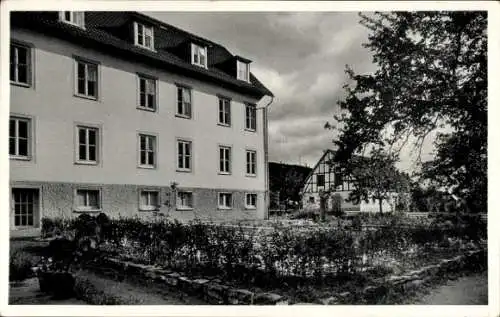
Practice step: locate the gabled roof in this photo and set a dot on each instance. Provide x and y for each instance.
(110, 32)
(325, 153)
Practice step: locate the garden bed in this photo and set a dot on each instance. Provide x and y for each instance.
(282, 259)
(354, 290)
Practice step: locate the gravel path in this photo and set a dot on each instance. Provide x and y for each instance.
(28, 292)
(466, 290)
(139, 293)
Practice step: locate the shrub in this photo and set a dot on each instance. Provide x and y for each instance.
(309, 214)
(356, 223)
(20, 264)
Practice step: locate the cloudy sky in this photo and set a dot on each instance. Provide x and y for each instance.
(300, 57)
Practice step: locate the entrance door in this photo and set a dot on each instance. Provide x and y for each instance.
(25, 207)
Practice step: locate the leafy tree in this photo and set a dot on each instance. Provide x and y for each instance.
(287, 180)
(431, 76)
(375, 177)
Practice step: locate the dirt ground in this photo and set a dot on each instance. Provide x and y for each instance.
(28, 292)
(466, 290)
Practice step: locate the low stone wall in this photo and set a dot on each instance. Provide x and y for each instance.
(413, 280)
(214, 291)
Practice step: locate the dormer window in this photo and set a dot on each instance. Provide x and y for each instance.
(199, 55)
(242, 71)
(73, 17)
(143, 36)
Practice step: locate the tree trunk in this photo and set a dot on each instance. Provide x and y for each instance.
(286, 206)
(380, 204)
(322, 207)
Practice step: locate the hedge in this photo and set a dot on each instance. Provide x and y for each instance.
(258, 256)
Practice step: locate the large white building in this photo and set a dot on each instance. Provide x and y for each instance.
(120, 113)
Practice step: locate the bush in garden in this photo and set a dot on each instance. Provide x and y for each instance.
(20, 264)
(54, 226)
(309, 214)
(356, 223)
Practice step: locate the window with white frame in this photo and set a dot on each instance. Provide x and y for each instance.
(147, 93)
(149, 200)
(251, 157)
(199, 55)
(224, 111)
(20, 64)
(243, 71)
(224, 159)
(225, 201)
(25, 203)
(250, 117)
(184, 155)
(147, 150)
(86, 79)
(143, 35)
(19, 137)
(87, 149)
(73, 17)
(88, 200)
(184, 200)
(251, 201)
(184, 102)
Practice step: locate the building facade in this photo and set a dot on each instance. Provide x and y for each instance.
(119, 113)
(324, 177)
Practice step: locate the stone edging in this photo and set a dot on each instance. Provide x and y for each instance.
(214, 292)
(410, 281)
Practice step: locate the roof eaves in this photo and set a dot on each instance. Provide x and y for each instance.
(104, 38)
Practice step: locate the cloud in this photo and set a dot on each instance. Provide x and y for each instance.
(300, 57)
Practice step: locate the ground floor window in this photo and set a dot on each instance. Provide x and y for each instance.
(149, 200)
(251, 201)
(225, 201)
(88, 200)
(184, 200)
(25, 204)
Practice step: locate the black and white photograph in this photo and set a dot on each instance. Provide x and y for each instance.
(238, 154)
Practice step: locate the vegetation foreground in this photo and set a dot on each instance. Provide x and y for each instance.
(300, 263)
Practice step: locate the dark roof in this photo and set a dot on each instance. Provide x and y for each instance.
(110, 32)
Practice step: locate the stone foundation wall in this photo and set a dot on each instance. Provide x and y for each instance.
(58, 200)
